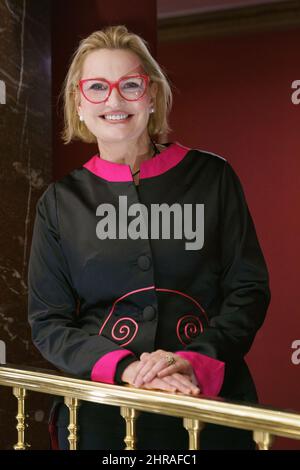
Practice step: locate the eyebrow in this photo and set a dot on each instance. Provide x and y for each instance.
(126, 74)
(122, 76)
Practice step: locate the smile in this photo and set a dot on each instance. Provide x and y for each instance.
(113, 118)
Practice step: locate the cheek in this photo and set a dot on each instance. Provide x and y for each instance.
(142, 108)
(142, 105)
(91, 111)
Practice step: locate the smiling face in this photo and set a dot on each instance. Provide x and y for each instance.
(112, 65)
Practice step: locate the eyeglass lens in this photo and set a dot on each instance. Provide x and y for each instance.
(130, 88)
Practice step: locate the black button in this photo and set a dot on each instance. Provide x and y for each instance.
(144, 262)
(149, 313)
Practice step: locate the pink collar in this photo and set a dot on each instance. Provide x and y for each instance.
(160, 163)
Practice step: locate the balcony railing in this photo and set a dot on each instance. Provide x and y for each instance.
(264, 422)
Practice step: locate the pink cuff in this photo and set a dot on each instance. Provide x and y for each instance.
(104, 370)
(209, 372)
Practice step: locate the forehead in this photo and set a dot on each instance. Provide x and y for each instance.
(111, 64)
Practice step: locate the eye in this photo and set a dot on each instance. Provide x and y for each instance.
(131, 85)
(98, 86)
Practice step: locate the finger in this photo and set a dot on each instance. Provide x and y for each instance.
(157, 369)
(144, 356)
(151, 365)
(195, 389)
(185, 378)
(168, 370)
(184, 387)
(159, 384)
(180, 366)
(146, 367)
(190, 381)
(153, 355)
(180, 387)
(161, 369)
(137, 370)
(149, 360)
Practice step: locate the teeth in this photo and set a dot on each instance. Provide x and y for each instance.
(115, 117)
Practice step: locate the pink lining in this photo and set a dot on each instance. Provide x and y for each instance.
(105, 368)
(163, 161)
(119, 172)
(209, 372)
(107, 170)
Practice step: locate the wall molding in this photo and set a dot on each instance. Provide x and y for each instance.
(268, 17)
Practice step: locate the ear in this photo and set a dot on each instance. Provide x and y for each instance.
(79, 110)
(153, 90)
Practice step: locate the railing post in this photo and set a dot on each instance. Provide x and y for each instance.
(73, 405)
(20, 394)
(194, 427)
(263, 439)
(130, 415)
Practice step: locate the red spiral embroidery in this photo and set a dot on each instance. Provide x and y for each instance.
(192, 328)
(119, 300)
(125, 331)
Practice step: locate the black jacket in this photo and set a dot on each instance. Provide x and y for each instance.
(93, 298)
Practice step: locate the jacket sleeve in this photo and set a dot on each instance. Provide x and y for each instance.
(52, 305)
(244, 286)
(244, 279)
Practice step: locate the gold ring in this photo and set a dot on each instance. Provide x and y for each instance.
(170, 359)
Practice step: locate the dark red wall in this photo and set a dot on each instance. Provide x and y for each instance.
(234, 99)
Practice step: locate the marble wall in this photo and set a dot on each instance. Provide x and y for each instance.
(34, 38)
(25, 172)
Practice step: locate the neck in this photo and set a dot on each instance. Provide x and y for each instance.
(129, 153)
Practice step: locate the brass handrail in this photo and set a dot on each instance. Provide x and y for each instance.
(265, 422)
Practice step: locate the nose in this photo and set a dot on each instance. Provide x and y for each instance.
(114, 97)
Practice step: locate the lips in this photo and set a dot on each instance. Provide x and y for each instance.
(116, 113)
(113, 121)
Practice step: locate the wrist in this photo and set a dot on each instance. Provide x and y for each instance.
(125, 377)
(121, 366)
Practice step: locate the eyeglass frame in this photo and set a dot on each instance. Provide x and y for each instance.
(113, 85)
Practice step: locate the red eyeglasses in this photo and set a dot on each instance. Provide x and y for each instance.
(98, 90)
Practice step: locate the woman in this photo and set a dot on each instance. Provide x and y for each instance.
(145, 267)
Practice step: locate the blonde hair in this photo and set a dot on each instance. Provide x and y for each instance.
(114, 37)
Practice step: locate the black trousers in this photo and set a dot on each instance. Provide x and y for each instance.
(101, 427)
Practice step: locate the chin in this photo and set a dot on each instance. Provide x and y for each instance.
(118, 135)
(113, 139)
